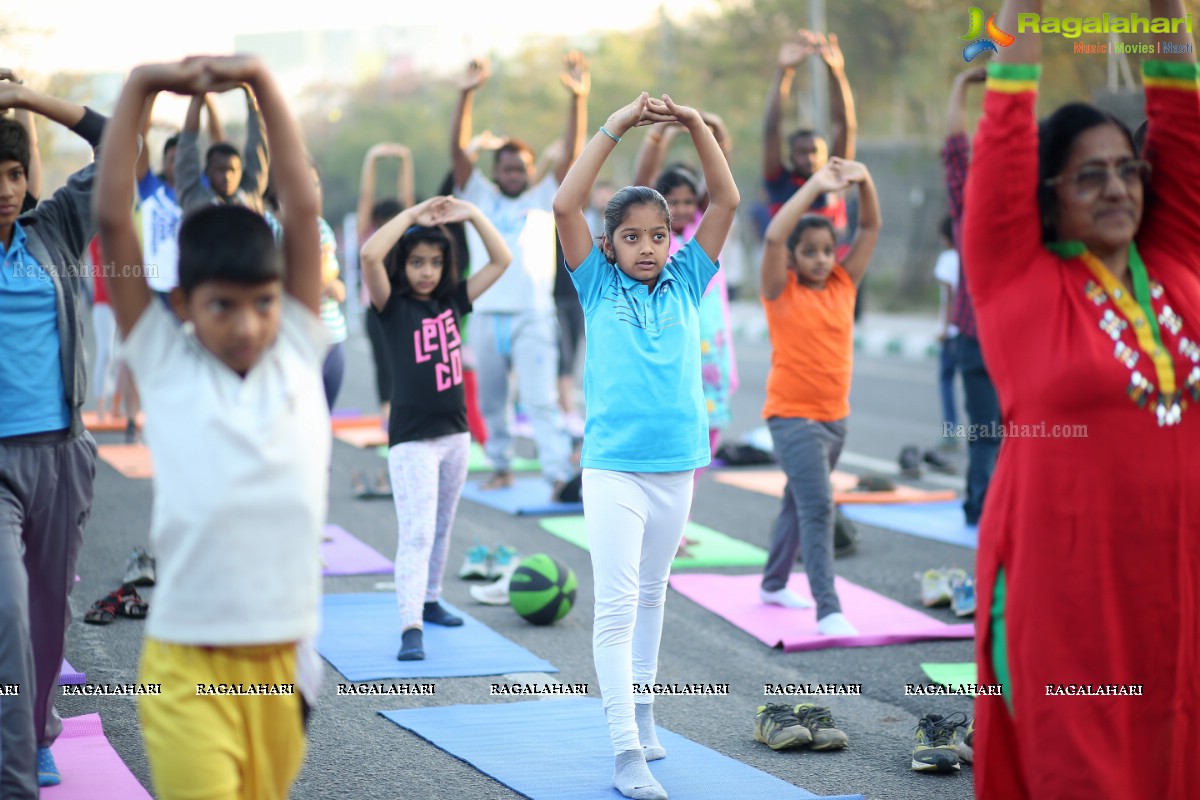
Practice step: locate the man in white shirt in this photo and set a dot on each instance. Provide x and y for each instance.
(514, 328)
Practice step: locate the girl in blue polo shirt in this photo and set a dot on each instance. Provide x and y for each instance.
(647, 425)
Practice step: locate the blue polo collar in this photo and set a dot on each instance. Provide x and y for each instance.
(18, 241)
(627, 282)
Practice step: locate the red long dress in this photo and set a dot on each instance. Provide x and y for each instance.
(1098, 535)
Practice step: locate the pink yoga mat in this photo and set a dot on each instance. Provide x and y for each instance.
(68, 676)
(90, 768)
(879, 620)
(346, 555)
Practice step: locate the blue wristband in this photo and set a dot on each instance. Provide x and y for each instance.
(604, 130)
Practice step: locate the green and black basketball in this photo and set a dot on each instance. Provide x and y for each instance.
(542, 590)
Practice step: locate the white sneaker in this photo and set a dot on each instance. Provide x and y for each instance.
(784, 597)
(836, 624)
(494, 594)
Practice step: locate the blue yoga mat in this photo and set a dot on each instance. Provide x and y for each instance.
(942, 522)
(360, 636)
(530, 757)
(527, 497)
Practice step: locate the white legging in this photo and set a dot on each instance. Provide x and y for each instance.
(634, 522)
(427, 481)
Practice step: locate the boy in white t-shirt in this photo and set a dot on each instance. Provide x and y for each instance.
(945, 271)
(236, 417)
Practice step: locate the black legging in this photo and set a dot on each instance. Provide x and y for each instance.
(333, 372)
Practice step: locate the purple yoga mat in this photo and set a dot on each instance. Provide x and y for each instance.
(90, 768)
(69, 677)
(879, 620)
(346, 555)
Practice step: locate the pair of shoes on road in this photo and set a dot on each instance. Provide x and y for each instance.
(942, 743)
(938, 589)
(123, 602)
(139, 569)
(484, 563)
(784, 727)
(939, 462)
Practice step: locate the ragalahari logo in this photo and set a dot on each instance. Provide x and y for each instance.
(983, 37)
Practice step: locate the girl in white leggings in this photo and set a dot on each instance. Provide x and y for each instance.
(647, 425)
(410, 270)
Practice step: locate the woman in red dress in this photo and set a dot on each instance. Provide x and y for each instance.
(1084, 264)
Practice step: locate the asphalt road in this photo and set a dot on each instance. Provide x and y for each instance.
(354, 753)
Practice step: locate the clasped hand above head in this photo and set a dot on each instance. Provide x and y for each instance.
(197, 75)
(647, 110)
(838, 173)
(443, 210)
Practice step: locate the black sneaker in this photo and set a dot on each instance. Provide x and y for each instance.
(910, 462)
(939, 462)
(936, 748)
(139, 569)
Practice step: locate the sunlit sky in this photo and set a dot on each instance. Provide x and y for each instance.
(86, 36)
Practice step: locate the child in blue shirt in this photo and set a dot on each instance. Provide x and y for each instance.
(647, 426)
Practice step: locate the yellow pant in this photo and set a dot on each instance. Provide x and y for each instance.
(208, 746)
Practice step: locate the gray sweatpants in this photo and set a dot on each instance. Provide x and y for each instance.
(525, 344)
(808, 451)
(45, 498)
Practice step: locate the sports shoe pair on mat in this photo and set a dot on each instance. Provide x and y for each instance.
(784, 727)
(497, 565)
(953, 587)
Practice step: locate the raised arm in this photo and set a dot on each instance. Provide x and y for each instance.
(366, 190)
(723, 196)
(375, 249)
(33, 175)
(578, 80)
(142, 168)
(841, 101)
(293, 179)
(478, 71)
(256, 172)
(869, 218)
(1172, 138)
(406, 183)
(188, 188)
(773, 270)
(791, 54)
(499, 257)
(1003, 233)
(216, 133)
(575, 189)
(114, 195)
(956, 154)
(653, 151)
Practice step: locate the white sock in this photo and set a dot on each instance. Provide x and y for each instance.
(784, 597)
(643, 713)
(836, 624)
(632, 777)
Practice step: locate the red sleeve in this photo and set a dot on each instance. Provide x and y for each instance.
(1002, 231)
(1172, 220)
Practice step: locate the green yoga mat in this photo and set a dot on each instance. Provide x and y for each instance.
(952, 674)
(715, 549)
(477, 461)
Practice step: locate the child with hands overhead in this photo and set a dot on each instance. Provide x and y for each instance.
(809, 301)
(647, 427)
(411, 272)
(238, 427)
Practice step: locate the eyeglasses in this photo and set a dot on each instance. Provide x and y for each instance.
(1092, 179)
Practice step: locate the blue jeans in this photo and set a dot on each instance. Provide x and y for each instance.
(946, 373)
(983, 412)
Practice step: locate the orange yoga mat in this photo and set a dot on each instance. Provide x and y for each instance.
(111, 424)
(131, 460)
(362, 436)
(346, 423)
(771, 482)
